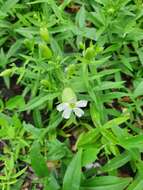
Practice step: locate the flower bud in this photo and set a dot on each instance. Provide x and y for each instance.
(45, 82)
(46, 51)
(6, 72)
(29, 43)
(81, 45)
(99, 49)
(89, 53)
(68, 95)
(111, 10)
(44, 34)
(70, 70)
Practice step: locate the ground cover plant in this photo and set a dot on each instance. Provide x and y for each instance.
(71, 94)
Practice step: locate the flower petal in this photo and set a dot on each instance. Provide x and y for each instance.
(89, 166)
(67, 112)
(79, 112)
(81, 103)
(61, 107)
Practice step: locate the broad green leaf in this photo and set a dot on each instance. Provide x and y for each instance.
(15, 102)
(132, 142)
(137, 184)
(89, 155)
(106, 183)
(89, 137)
(57, 150)
(117, 162)
(35, 132)
(37, 161)
(73, 173)
(51, 183)
(88, 33)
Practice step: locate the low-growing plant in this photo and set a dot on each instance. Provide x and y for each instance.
(71, 94)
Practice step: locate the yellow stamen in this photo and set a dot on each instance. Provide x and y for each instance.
(72, 105)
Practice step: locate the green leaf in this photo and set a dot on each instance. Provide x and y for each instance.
(109, 85)
(95, 115)
(117, 162)
(113, 95)
(57, 150)
(14, 48)
(37, 118)
(38, 101)
(138, 90)
(89, 155)
(88, 33)
(19, 173)
(37, 161)
(15, 102)
(88, 138)
(126, 62)
(9, 4)
(51, 183)
(36, 132)
(116, 121)
(132, 142)
(137, 184)
(140, 54)
(106, 183)
(80, 17)
(73, 173)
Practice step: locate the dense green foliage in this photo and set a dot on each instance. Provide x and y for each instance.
(51, 51)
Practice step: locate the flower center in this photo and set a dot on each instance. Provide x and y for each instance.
(72, 105)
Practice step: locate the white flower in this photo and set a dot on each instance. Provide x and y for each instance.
(72, 106)
(93, 165)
